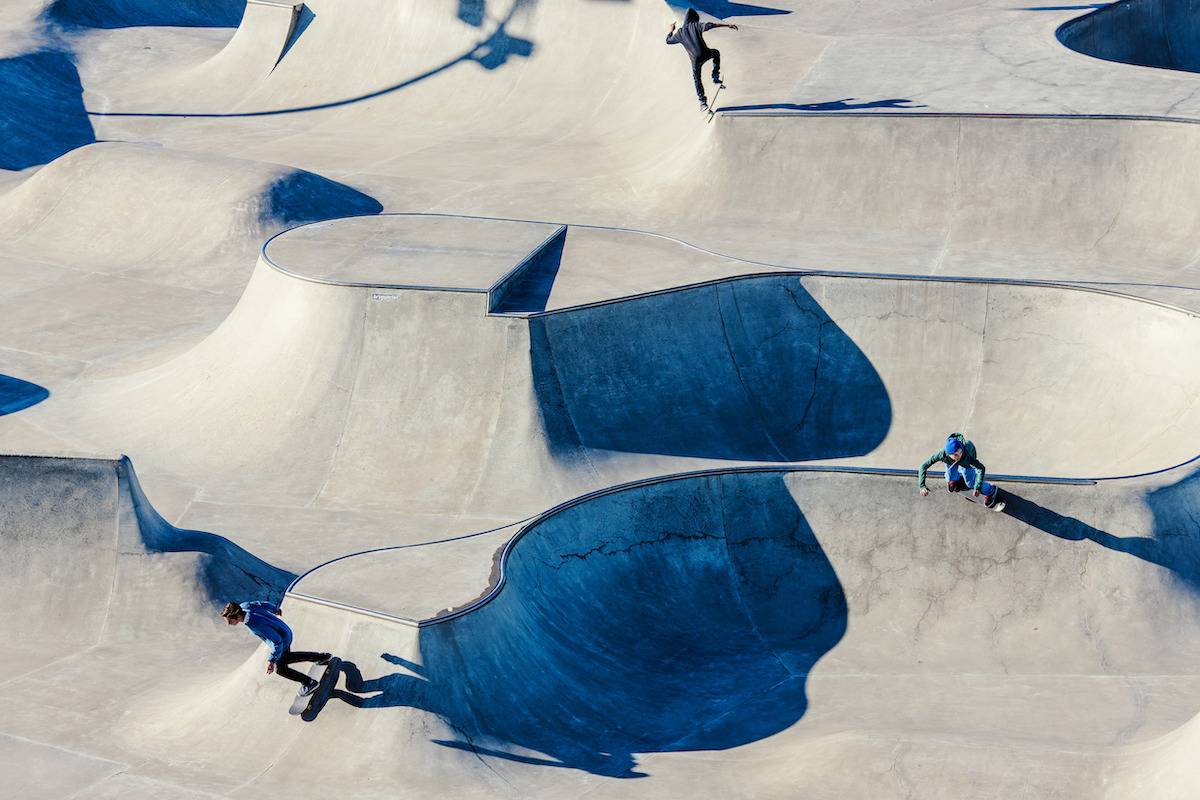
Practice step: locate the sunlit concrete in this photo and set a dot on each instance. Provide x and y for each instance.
(581, 427)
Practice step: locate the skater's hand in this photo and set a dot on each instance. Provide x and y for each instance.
(974, 493)
(924, 492)
(270, 667)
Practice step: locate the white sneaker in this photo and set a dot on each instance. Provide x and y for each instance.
(305, 691)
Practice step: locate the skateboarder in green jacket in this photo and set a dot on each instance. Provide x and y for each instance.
(963, 469)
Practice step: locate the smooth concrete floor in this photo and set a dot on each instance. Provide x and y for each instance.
(584, 423)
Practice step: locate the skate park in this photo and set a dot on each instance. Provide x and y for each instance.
(583, 429)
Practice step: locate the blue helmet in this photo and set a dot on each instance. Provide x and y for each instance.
(953, 444)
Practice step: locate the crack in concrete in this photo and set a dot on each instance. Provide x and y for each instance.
(737, 369)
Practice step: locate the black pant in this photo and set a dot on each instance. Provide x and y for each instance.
(715, 55)
(294, 657)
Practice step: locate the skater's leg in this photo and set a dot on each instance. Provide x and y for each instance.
(284, 669)
(954, 479)
(986, 489)
(715, 55)
(699, 83)
(993, 496)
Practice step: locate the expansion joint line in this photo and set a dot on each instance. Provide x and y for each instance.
(751, 399)
(119, 483)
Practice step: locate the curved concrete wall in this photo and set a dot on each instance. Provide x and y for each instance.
(85, 524)
(1148, 33)
(78, 499)
(752, 369)
(963, 638)
(426, 61)
(80, 208)
(1052, 644)
(341, 396)
(675, 571)
(989, 197)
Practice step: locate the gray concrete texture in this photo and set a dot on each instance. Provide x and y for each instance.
(591, 455)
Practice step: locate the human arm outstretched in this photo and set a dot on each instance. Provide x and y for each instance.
(940, 455)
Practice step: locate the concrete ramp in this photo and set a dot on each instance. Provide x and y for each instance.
(594, 512)
(215, 85)
(390, 395)
(855, 638)
(262, 37)
(86, 524)
(947, 195)
(758, 618)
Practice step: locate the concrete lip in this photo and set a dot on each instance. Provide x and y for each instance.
(1046, 648)
(390, 395)
(407, 251)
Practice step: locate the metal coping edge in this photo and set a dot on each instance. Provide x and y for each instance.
(366, 612)
(771, 268)
(531, 522)
(999, 115)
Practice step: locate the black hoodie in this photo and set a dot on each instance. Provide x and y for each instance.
(691, 35)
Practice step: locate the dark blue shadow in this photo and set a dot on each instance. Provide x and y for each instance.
(17, 395)
(530, 291)
(41, 109)
(495, 51)
(1174, 543)
(1147, 33)
(721, 9)
(748, 369)
(1176, 510)
(681, 616)
(472, 12)
(490, 53)
(302, 196)
(302, 22)
(225, 570)
(832, 105)
(136, 13)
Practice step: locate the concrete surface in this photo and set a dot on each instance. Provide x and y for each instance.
(407, 252)
(463, 423)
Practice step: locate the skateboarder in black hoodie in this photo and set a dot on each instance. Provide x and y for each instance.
(691, 36)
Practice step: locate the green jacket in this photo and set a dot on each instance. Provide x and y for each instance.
(970, 459)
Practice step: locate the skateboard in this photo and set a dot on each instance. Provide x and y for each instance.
(966, 494)
(320, 674)
(712, 106)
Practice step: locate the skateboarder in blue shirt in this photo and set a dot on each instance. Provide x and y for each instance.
(691, 36)
(263, 620)
(963, 469)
